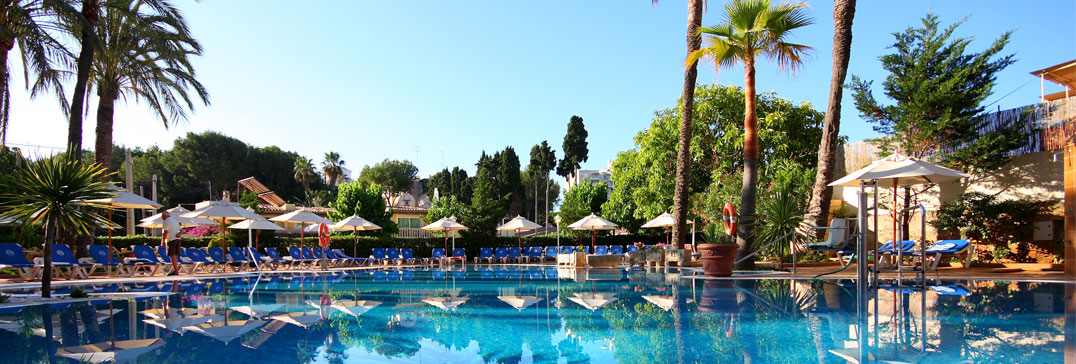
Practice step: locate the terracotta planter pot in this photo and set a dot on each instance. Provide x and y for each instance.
(718, 296)
(718, 259)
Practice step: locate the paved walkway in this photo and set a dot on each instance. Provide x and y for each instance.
(947, 273)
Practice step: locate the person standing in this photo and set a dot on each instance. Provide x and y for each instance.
(170, 240)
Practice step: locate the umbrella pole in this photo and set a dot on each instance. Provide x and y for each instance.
(897, 245)
(446, 247)
(355, 245)
(593, 235)
(302, 234)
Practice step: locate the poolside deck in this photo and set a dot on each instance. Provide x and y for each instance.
(946, 273)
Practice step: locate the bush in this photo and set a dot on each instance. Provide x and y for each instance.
(989, 221)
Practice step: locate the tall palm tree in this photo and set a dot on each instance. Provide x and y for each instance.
(687, 111)
(52, 193)
(843, 12)
(91, 12)
(753, 29)
(145, 56)
(29, 23)
(332, 167)
(304, 172)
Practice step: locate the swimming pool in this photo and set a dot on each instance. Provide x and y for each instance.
(511, 314)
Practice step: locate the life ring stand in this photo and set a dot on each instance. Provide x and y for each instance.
(729, 218)
(323, 235)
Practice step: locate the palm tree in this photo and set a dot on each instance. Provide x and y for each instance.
(332, 167)
(52, 193)
(29, 23)
(91, 12)
(687, 111)
(304, 172)
(843, 12)
(753, 29)
(145, 56)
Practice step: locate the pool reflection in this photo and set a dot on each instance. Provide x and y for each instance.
(503, 314)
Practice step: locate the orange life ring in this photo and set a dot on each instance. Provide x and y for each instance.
(728, 214)
(325, 300)
(323, 235)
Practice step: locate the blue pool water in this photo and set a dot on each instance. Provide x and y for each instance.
(503, 314)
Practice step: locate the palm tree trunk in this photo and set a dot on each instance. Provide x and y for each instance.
(46, 273)
(744, 238)
(5, 95)
(90, 11)
(687, 110)
(106, 104)
(821, 193)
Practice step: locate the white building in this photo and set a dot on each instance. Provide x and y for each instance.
(592, 176)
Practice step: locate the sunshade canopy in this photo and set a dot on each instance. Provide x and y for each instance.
(354, 223)
(520, 302)
(224, 210)
(445, 224)
(157, 221)
(593, 301)
(110, 352)
(592, 222)
(255, 225)
(906, 170)
(446, 303)
(301, 216)
(519, 223)
(226, 330)
(124, 200)
(663, 220)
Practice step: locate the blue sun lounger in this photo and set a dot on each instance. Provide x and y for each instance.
(948, 248)
(12, 256)
(500, 254)
(485, 254)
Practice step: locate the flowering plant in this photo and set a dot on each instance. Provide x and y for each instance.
(580, 249)
(201, 230)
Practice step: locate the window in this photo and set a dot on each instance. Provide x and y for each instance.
(409, 222)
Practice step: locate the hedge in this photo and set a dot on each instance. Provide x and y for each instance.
(422, 247)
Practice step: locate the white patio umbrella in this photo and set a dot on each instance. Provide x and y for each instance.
(666, 221)
(446, 225)
(899, 170)
(520, 302)
(593, 301)
(178, 323)
(355, 224)
(355, 308)
(226, 330)
(303, 217)
(447, 303)
(254, 225)
(664, 302)
(223, 211)
(519, 224)
(258, 310)
(301, 319)
(121, 200)
(157, 221)
(592, 223)
(111, 352)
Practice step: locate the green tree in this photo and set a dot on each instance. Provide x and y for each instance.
(52, 193)
(364, 200)
(304, 172)
(448, 206)
(333, 168)
(843, 13)
(509, 181)
(753, 29)
(582, 200)
(544, 160)
(441, 182)
(642, 187)
(687, 108)
(28, 23)
(144, 56)
(394, 176)
(487, 209)
(936, 88)
(574, 147)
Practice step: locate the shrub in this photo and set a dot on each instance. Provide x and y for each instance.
(989, 221)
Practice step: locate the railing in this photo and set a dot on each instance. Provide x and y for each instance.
(412, 233)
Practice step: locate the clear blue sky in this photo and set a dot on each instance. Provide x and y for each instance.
(438, 82)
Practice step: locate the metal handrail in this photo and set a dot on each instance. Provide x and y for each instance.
(767, 246)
